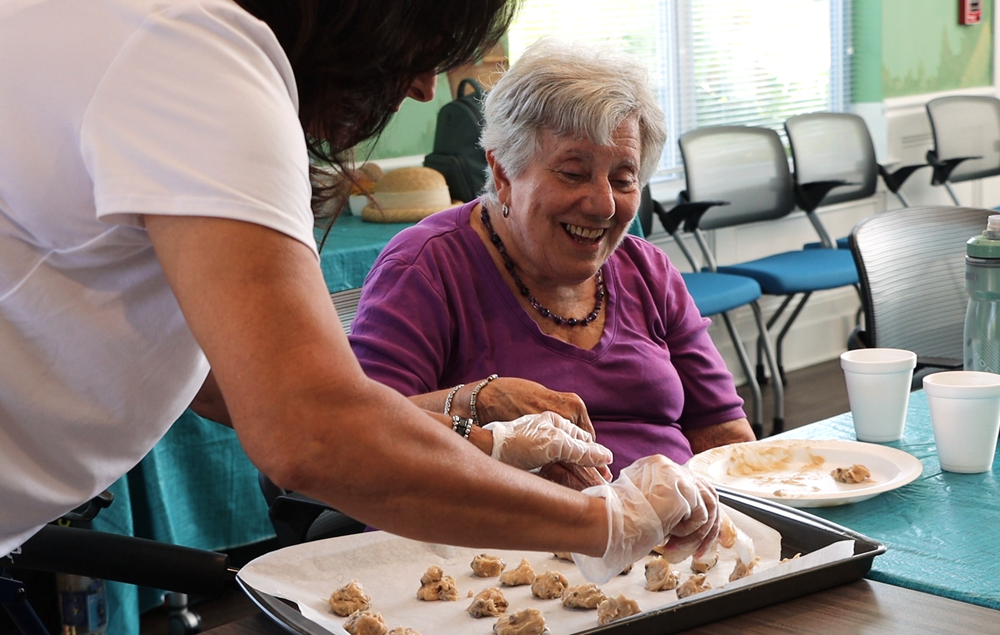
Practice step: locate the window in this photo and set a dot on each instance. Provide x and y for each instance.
(715, 62)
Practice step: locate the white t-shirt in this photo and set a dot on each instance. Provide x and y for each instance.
(109, 110)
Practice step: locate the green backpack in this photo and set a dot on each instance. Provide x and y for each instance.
(457, 153)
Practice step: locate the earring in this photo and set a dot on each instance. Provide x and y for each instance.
(505, 210)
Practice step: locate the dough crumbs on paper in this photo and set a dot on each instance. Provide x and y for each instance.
(489, 603)
(694, 584)
(585, 596)
(486, 566)
(520, 576)
(612, 609)
(349, 599)
(549, 585)
(435, 585)
(660, 576)
(857, 473)
(366, 623)
(523, 622)
(402, 630)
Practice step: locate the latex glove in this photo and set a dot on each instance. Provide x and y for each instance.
(653, 501)
(534, 441)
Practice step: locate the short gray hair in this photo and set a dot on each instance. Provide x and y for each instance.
(572, 90)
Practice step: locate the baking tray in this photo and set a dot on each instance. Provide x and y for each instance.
(800, 531)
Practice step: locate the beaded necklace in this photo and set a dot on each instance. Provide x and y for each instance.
(509, 265)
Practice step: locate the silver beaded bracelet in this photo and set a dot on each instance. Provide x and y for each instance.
(451, 396)
(475, 397)
(461, 425)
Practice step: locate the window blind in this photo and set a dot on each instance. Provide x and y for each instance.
(715, 62)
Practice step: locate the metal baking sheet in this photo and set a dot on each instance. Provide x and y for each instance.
(800, 532)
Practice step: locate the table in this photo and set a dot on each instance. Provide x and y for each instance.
(860, 607)
(350, 250)
(940, 529)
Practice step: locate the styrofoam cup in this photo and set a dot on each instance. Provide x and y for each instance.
(965, 415)
(878, 389)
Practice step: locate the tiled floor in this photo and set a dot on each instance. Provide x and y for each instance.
(812, 394)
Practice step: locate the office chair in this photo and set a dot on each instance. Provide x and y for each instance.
(966, 139)
(717, 293)
(835, 162)
(912, 268)
(747, 168)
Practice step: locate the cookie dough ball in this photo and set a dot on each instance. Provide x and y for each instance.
(612, 609)
(349, 598)
(520, 576)
(707, 561)
(585, 596)
(694, 584)
(742, 569)
(523, 622)
(485, 566)
(366, 623)
(857, 473)
(549, 585)
(563, 555)
(435, 585)
(660, 576)
(489, 603)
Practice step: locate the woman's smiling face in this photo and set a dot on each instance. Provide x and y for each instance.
(572, 205)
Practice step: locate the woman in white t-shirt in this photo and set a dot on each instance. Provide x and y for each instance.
(155, 218)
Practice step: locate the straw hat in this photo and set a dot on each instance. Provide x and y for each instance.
(407, 195)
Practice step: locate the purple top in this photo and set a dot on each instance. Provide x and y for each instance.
(435, 312)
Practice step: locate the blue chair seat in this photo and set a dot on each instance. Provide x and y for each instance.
(715, 293)
(842, 243)
(799, 271)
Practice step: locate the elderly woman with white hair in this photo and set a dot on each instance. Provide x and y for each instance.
(538, 282)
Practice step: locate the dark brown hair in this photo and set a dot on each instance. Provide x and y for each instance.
(354, 61)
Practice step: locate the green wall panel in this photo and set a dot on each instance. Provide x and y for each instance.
(867, 59)
(925, 50)
(411, 130)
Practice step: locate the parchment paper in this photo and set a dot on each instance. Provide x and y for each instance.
(390, 567)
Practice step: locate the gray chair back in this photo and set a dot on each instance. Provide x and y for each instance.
(743, 165)
(346, 303)
(967, 126)
(912, 267)
(834, 146)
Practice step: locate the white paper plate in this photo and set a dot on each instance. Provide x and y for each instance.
(797, 472)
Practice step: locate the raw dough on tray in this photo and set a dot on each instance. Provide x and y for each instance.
(660, 576)
(366, 623)
(489, 603)
(485, 566)
(520, 576)
(694, 584)
(349, 598)
(435, 585)
(524, 622)
(612, 609)
(402, 630)
(549, 585)
(585, 596)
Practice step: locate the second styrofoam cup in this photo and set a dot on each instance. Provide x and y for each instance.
(878, 389)
(965, 415)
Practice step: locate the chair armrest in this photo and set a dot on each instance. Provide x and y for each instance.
(808, 196)
(684, 212)
(943, 169)
(895, 179)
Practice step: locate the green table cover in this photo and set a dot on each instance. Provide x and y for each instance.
(937, 529)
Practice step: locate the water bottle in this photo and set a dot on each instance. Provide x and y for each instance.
(83, 603)
(982, 282)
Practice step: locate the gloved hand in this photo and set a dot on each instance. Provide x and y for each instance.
(654, 500)
(536, 440)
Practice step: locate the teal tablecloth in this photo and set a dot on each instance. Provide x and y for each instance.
(940, 529)
(351, 248)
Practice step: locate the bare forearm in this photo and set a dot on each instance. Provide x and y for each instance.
(736, 431)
